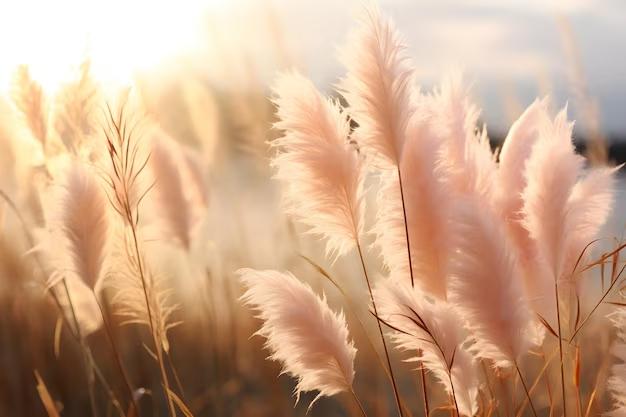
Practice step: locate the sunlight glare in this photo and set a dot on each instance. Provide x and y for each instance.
(120, 37)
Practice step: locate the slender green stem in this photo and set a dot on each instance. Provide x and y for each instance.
(380, 330)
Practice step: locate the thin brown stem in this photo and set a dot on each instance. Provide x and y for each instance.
(408, 250)
(83, 344)
(406, 228)
(358, 402)
(521, 378)
(558, 319)
(380, 330)
(117, 356)
(153, 331)
(456, 404)
(604, 295)
(424, 391)
(179, 386)
(489, 387)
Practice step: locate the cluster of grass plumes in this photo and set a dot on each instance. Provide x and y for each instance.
(429, 274)
(487, 256)
(90, 238)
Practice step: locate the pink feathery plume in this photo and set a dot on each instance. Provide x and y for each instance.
(562, 212)
(75, 244)
(511, 184)
(616, 383)
(551, 173)
(379, 88)
(80, 222)
(468, 156)
(433, 331)
(486, 285)
(321, 170)
(309, 339)
(427, 201)
(588, 208)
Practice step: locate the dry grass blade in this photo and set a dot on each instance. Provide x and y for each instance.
(46, 398)
(180, 404)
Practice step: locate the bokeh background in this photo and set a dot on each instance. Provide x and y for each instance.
(203, 70)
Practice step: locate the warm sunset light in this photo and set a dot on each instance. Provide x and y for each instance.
(120, 37)
(312, 208)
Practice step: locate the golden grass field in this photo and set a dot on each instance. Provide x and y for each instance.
(171, 245)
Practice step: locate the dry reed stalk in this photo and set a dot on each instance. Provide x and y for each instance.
(124, 174)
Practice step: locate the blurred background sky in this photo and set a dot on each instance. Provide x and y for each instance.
(512, 51)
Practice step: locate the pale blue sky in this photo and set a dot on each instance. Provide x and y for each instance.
(508, 48)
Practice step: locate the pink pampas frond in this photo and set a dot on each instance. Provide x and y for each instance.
(427, 200)
(486, 285)
(616, 383)
(470, 161)
(588, 208)
(433, 331)
(320, 169)
(551, 173)
(379, 88)
(80, 222)
(511, 185)
(309, 339)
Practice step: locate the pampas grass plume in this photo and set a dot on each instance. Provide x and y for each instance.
(379, 88)
(321, 171)
(303, 333)
(433, 330)
(486, 285)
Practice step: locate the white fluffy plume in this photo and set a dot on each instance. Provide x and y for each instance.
(617, 381)
(321, 171)
(302, 332)
(433, 331)
(486, 285)
(379, 88)
(427, 201)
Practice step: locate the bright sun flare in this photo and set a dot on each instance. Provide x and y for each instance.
(120, 37)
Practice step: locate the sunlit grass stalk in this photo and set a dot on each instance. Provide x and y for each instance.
(155, 338)
(408, 249)
(123, 160)
(380, 331)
